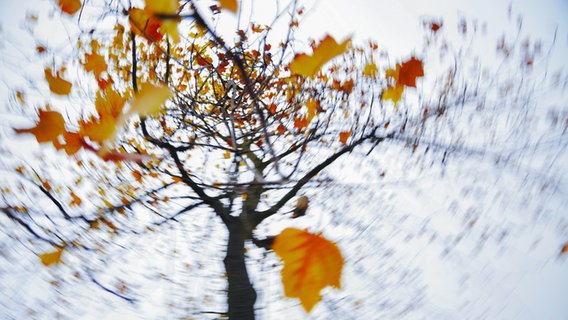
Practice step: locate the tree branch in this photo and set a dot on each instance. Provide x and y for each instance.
(260, 216)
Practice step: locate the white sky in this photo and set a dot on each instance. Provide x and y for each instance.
(540, 284)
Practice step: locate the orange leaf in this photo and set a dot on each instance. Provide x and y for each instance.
(57, 84)
(70, 6)
(311, 263)
(73, 142)
(145, 25)
(165, 7)
(409, 71)
(99, 130)
(313, 106)
(49, 127)
(393, 93)
(327, 49)
(301, 123)
(50, 258)
(95, 63)
(76, 201)
(116, 156)
(343, 136)
(564, 248)
(231, 5)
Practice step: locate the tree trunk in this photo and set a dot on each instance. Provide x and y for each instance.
(242, 295)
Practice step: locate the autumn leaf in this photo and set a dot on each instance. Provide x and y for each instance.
(311, 263)
(145, 25)
(306, 65)
(393, 93)
(57, 84)
(343, 136)
(49, 127)
(313, 106)
(300, 123)
(51, 258)
(231, 5)
(149, 100)
(169, 8)
(73, 143)
(406, 73)
(409, 71)
(75, 200)
(70, 6)
(99, 130)
(96, 64)
(370, 70)
(116, 156)
(564, 248)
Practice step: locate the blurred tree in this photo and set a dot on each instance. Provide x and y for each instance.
(162, 116)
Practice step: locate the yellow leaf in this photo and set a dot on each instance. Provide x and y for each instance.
(49, 127)
(50, 258)
(393, 93)
(327, 49)
(99, 130)
(311, 263)
(57, 84)
(227, 154)
(165, 7)
(231, 5)
(149, 100)
(70, 6)
(370, 70)
(313, 106)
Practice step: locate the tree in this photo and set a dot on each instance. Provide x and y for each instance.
(167, 117)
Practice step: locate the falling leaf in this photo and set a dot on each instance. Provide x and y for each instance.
(145, 25)
(116, 156)
(306, 65)
(343, 136)
(70, 6)
(149, 100)
(393, 93)
(99, 130)
(168, 8)
(409, 71)
(49, 127)
(51, 257)
(57, 84)
(73, 142)
(231, 5)
(311, 263)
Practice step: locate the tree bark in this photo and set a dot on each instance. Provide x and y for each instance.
(241, 296)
